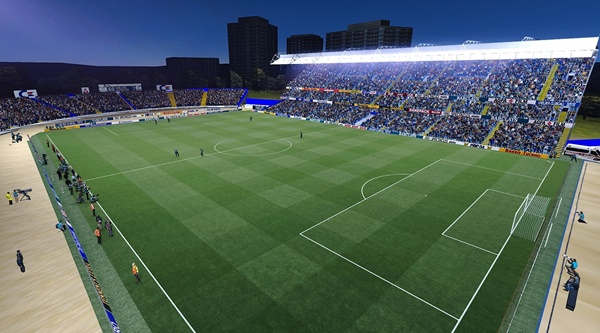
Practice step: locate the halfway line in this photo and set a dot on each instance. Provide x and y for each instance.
(177, 161)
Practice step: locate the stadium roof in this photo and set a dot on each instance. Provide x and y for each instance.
(526, 49)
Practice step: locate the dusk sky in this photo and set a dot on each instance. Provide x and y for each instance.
(144, 33)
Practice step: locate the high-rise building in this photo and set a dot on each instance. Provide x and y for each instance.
(369, 35)
(186, 72)
(308, 43)
(252, 45)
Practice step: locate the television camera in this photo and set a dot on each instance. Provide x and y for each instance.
(24, 193)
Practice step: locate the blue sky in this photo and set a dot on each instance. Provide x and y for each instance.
(144, 33)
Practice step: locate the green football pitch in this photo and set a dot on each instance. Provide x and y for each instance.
(341, 230)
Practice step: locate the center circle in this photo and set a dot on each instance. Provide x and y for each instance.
(237, 151)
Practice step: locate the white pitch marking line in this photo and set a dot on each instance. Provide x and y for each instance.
(495, 260)
(176, 161)
(225, 152)
(469, 244)
(558, 207)
(381, 278)
(548, 236)
(138, 257)
(514, 195)
(389, 175)
(186, 159)
(147, 269)
(525, 286)
(372, 195)
(463, 213)
(110, 131)
(507, 172)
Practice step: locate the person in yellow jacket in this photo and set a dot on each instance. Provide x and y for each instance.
(135, 272)
(9, 197)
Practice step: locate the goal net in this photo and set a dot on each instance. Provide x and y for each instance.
(529, 218)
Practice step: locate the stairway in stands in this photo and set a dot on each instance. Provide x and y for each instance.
(492, 132)
(171, 96)
(562, 141)
(548, 83)
(360, 122)
(204, 98)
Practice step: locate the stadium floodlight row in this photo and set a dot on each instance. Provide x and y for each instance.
(528, 49)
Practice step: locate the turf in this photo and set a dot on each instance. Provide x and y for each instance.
(588, 128)
(342, 230)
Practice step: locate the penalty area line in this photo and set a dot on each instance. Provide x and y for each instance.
(381, 278)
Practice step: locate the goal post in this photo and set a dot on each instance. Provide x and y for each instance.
(529, 218)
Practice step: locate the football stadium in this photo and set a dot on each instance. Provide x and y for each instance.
(421, 189)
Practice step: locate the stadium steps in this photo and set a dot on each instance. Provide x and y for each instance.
(562, 142)
(492, 132)
(548, 83)
(126, 101)
(562, 117)
(244, 94)
(204, 98)
(171, 96)
(362, 121)
(52, 106)
(426, 133)
(437, 78)
(449, 108)
(485, 109)
(387, 90)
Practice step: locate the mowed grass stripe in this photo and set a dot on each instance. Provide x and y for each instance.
(225, 222)
(340, 232)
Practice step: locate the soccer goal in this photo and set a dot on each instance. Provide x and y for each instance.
(529, 218)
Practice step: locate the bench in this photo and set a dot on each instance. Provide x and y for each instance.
(572, 299)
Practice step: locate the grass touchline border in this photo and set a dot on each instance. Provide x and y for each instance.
(136, 255)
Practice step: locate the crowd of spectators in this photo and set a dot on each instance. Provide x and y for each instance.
(403, 122)
(104, 102)
(537, 137)
(17, 112)
(462, 127)
(224, 96)
(461, 100)
(335, 113)
(151, 99)
(464, 99)
(188, 97)
(68, 104)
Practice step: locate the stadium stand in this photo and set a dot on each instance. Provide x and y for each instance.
(18, 112)
(518, 104)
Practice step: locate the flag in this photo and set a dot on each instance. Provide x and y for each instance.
(85, 90)
(29, 93)
(164, 87)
